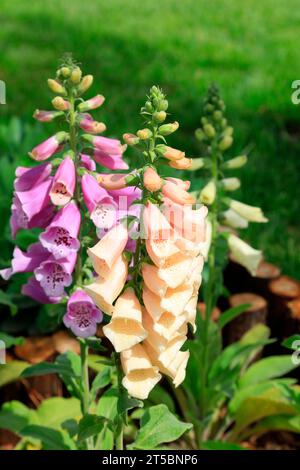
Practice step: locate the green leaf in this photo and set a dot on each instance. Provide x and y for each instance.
(97, 362)
(14, 416)
(54, 411)
(11, 371)
(293, 342)
(232, 313)
(220, 445)
(11, 340)
(268, 403)
(267, 368)
(278, 423)
(108, 404)
(71, 362)
(44, 368)
(101, 380)
(95, 343)
(5, 299)
(89, 425)
(158, 425)
(52, 439)
(159, 396)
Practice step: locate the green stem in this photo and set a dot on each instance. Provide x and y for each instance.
(85, 395)
(119, 434)
(209, 291)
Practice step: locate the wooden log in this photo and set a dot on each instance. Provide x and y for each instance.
(283, 290)
(292, 325)
(215, 313)
(266, 273)
(254, 314)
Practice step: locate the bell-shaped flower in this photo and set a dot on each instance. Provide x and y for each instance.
(82, 314)
(140, 375)
(189, 223)
(64, 181)
(54, 275)
(27, 178)
(244, 254)
(87, 162)
(233, 219)
(46, 116)
(20, 220)
(104, 291)
(125, 328)
(50, 146)
(99, 203)
(250, 213)
(107, 152)
(60, 237)
(177, 194)
(105, 253)
(24, 262)
(34, 290)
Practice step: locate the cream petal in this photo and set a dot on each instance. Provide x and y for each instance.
(160, 250)
(153, 281)
(175, 299)
(175, 270)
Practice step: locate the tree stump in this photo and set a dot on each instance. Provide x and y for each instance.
(254, 314)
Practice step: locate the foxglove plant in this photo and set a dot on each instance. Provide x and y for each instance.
(151, 293)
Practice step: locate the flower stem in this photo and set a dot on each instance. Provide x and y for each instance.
(119, 433)
(85, 396)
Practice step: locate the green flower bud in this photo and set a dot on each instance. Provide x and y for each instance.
(222, 105)
(197, 163)
(228, 131)
(144, 134)
(217, 115)
(56, 87)
(224, 123)
(60, 104)
(159, 116)
(148, 107)
(167, 129)
(231, 184)
(163, 105)
(235, 163)
(226, 142)
(131, 139)
(208, 108)
(199, 134)
(204, 121)
(85, 83)
(209, 130)
(208, 193)
(76, 75)
(64, 72)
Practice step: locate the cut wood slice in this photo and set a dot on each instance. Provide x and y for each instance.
(215, 313)
(254, 314)
(285, 287)
(36, 349)
(268, 271)
(292, 324)
(63, 342)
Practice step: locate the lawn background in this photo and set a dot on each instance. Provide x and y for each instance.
(249, 48)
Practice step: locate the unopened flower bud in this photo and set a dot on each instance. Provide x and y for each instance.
(46, 116)
(209, 108)
(64, 71)
(231, 184)
(159, 116)
(92, 103)
(85, 83)
(228, 131)
(224, 123)
(209, 130)
(167, 129)
(226, 142)
(131, 139)
(217, 115)
(199, 134)
(144, 134)
(234, 163)
(152, 180)
(208, 193)
(170, 153)
(56, 87)
(233, 219)
(60, 104)
(76, 75)
(163, 105)
(182, 164)
(197, 163)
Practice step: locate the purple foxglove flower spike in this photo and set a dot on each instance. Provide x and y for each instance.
(64, 181)
(108, 152)
(99, 203)
(54, 275)
(47, 148)
(110, 161)
(34, 290)
(60, 237)
(87, 162)
(46, 116)
(28, 178)
(82, 314)
(89, 125)
(24, 262)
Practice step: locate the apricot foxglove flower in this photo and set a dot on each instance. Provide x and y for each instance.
(60, 237)
(125, 328)
(140, 375)
(152, 181)
(100, 204)
(50, 146)
(106, 252)
(177, 194)
(63, 185)
(105, 290)
(82, 314)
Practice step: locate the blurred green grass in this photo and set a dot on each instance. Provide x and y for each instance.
(250, 49)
